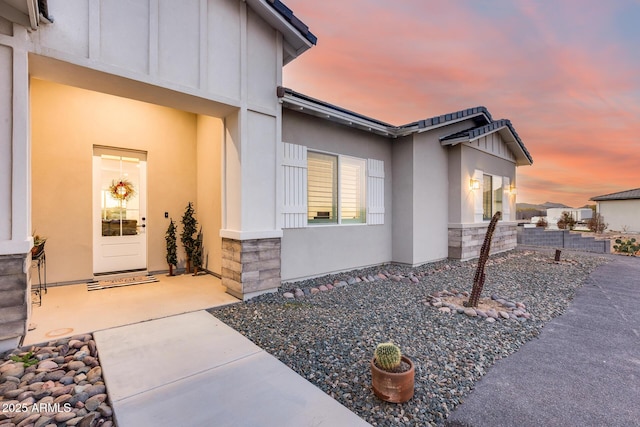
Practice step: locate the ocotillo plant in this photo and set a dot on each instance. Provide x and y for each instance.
(478, 279)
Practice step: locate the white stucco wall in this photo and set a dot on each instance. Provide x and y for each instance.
(430, 196)
(209, 136)
(621, 215)
(322, 249)
(402, 197)
(461, 197)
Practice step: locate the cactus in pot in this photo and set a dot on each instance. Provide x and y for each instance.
(388, 356)
(392, 374)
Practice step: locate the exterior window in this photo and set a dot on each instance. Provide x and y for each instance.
(335, 189)
(352, 183)
(487, 200)
(322, 188)
(491, 196)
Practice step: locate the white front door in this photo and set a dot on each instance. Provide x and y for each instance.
(119, 210)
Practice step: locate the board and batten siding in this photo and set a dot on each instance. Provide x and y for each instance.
(294, 164)
(375, 192)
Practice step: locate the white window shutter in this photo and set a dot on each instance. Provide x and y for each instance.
(294, 165)
(506, 199)
(375, 192)
(477, 196)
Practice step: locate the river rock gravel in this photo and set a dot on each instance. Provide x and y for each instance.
(328, 336)
(55, 384)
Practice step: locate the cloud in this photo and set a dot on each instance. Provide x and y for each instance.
(561, 72)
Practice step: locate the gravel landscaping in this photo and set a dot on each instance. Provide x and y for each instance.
(326, 328)
(55, 384)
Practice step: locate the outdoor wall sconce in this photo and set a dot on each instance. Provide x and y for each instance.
(513, 190)
(474, 184)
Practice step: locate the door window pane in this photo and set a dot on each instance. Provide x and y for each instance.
(487, 199)
(119, 195)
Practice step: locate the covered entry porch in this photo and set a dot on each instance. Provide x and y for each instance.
(72, 309)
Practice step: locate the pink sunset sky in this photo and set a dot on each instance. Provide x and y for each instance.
(566, 73)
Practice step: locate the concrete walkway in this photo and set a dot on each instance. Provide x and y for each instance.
(193, 370)
(584, 370)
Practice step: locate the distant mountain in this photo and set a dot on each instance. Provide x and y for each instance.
(547, 205)
(528, 210)
(541, 207)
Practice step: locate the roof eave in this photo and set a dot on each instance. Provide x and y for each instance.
(296, 43)
(418, 127)
(506, 133)
(307, 106)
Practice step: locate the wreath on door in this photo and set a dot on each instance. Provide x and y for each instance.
(122, 190)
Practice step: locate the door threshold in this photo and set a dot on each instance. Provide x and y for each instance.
(110, 275)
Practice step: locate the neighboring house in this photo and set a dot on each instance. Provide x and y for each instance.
(580, 215)
(621, 211)
(182, 102)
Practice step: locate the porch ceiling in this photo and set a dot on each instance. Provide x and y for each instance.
(45, 68)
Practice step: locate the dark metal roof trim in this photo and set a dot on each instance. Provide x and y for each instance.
(479, 115)
(477, 132)
(444, 118)
(288, 15)
(336, 108)
(622, 195)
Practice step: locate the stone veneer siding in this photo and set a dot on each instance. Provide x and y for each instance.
(14, 299)
(250, 267)
(465, 241)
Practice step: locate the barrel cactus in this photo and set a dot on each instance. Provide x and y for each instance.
(388, 356)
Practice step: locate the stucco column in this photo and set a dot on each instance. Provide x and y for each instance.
(250, 233)
(15, 195)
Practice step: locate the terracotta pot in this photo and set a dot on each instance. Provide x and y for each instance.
(393, 387)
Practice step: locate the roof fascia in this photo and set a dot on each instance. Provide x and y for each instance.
(14, 15)
(508, 136)
(327, 112)
(298, 43)
(417, 127)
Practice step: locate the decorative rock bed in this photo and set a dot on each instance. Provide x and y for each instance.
(410, 277)
(56, 384)
(328, 336)
(490, 310)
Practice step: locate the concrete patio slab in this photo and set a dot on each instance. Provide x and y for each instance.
(71, 309)
(193, 370)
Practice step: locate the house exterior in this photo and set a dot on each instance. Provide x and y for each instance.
(580, 215)
(431, 187)
(620, 210)
(114, 115)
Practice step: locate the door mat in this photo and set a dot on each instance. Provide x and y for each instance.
(117, 283)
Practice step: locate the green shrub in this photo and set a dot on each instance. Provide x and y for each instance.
(27, 359)
(628, 246)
